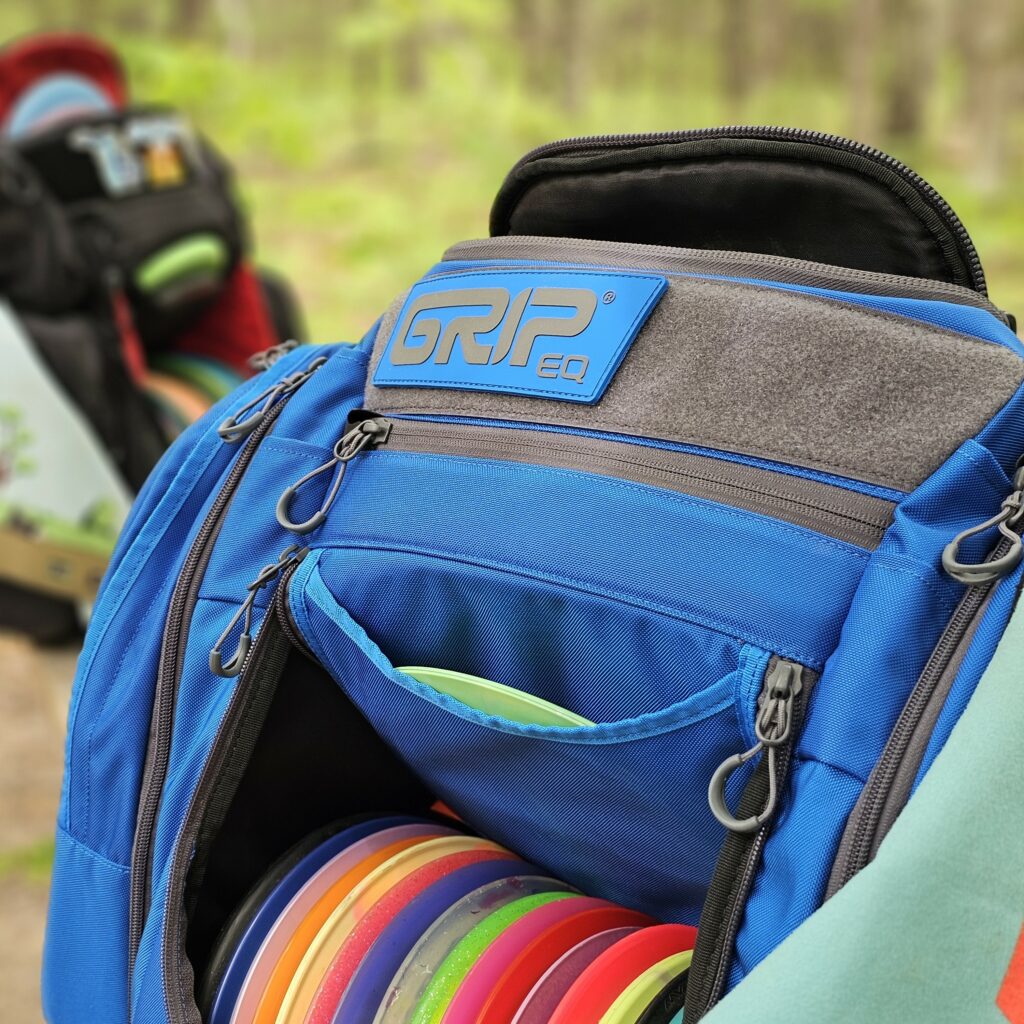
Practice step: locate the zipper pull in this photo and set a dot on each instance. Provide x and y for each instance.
(367, 430)
(1002, 560)
(265, 360)
(239, 425)
(292, 555)
(773, 729)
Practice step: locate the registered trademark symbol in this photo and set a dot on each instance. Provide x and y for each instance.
(608, 297)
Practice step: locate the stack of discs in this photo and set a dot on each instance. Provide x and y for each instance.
(400, 920)
(182, 387)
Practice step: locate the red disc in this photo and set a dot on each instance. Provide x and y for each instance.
(594, 991)
(348, 958)
(524, 970)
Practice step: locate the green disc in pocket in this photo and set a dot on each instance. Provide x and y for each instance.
(495, 699)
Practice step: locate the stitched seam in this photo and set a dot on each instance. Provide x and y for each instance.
(92, 854)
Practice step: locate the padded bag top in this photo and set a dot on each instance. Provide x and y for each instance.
(779, 191)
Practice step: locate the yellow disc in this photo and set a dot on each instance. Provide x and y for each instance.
(318, 958)
(644, 990)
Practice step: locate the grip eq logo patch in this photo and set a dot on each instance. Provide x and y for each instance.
(550, 333)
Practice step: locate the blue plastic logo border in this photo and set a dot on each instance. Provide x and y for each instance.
(558, 334)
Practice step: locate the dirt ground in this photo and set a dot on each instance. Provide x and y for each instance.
(35, 685)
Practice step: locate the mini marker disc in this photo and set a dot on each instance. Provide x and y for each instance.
(419, 967)
(242, 935)
(450, 975)
(637, 997)
(331, 884)
(349, 911)
(505, 977)
(369, 928)
(597, 988)
(369, 984)
(545, 996)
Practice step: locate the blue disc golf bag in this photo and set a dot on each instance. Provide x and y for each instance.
(714, 442)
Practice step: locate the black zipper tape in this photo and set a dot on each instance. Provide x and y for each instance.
(965, 250)
(172, 649)
(736, 868)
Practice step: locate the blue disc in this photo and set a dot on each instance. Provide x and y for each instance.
(241, 938)
(369, 984)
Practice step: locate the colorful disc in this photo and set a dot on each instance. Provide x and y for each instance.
(502, 977)
(545, 996)
(213, 379)
(452, 973)
(637, 997)
(597, 988)
(369, 984)
(505, 977)
(243, 934)
(178, 403)
(496, 698)
(349, 911)
(270, 976)
(668, 1005)
(419, 967)
(369, 928)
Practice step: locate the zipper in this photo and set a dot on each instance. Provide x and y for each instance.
(541, 250)
(781, 707)
(851, 516)
(929, 193)
(183, 600)
(248, 707)
(290, 557)
(889, 786)
(363, 430)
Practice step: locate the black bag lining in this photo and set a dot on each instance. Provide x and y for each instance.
(791, 199)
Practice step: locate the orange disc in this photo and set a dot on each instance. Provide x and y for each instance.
(281, 976)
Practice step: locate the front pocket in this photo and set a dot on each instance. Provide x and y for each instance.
(618, 808)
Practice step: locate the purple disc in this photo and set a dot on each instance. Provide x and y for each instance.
(370, 982)
(545, 996)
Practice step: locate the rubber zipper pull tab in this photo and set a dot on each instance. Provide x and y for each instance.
(368, 430)
(773, 728)
(1000, 562)
(240, 424)
(292, 555)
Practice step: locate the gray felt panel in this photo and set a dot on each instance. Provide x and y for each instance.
(774, 374)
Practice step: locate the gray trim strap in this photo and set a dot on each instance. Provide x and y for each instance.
(773, 374)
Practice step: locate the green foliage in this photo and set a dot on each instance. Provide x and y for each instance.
(29, 862)
(370, 134)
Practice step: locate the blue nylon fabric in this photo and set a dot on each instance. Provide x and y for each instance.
(963, 319)
(85, 961)
(554, 795)
(900, 609)
(85, 957)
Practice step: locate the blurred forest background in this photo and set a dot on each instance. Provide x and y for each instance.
(368, 134)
